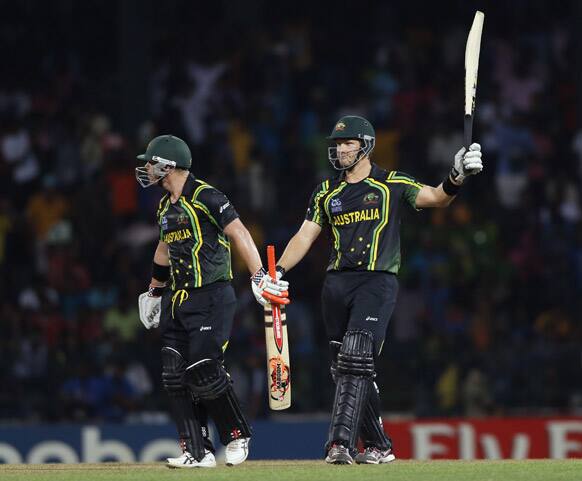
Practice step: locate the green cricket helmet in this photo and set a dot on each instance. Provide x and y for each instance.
(352, 127)
(164, 153)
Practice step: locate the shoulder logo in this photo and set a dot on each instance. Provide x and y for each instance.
(371, 198)
(340, 126)
(224, 207)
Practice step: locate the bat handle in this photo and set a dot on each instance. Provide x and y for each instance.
(468, 131)
(271, 261)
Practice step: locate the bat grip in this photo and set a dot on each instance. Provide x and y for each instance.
(271, 262)
(468, 131)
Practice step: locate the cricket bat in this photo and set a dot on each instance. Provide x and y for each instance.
(278, 365)
(471, 67)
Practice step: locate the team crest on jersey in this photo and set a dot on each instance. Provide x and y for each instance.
(371, 198)
(340, 126)
(182, 219)
(164, 223)
(336, 206)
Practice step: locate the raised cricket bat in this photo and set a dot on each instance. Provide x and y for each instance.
(278, 365)
(471, 67)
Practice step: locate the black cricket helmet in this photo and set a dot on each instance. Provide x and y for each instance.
(352, 127)
(164, 153)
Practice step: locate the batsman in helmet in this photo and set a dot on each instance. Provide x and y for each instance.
(191, 299)
(361, 207)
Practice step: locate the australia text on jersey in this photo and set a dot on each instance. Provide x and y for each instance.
(356, 216)
(177, 235)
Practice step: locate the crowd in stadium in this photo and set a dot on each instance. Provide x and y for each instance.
(488, 318)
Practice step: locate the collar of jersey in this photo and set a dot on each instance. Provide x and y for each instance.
(189, 186)
(375, 173)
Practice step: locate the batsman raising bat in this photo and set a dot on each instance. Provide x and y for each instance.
(361, 207)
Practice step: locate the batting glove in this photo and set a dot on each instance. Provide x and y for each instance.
(466, 163)
(150, 306)
(268, 290)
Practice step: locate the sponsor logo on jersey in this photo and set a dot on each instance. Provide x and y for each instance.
(373, 319)
(224, 207)
(164, 223)
(177, 235)
(356, 216)
(336, 206)
(371, 198)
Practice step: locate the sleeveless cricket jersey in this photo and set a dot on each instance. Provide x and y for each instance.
(364, 219)
(193, 228)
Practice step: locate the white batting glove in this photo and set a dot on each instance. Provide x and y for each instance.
(267, 290)
(150, 307)
(466, 163)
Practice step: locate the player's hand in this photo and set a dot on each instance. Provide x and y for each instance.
(466, 163)
(268, 290)
(150, 306)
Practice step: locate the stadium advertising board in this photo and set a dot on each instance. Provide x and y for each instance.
(493, 438)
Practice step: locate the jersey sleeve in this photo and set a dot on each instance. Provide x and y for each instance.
(217, 206)
(409, 187)
(315, 212)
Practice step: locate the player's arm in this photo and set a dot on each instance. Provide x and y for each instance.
(433, 197)
(264, 288)
(224, 215)
(465, 163)
(299, 245)
(244, 245)
(162, 259)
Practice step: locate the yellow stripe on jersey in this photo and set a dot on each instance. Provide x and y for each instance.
(319, 195)
(413, 184)
(162, 212)
(393, 178)
(336, 236)
(199, 241)
(199, 205)
(203, 208)
(226, 243)
(386, 212)
(161, 204)
(203, 185)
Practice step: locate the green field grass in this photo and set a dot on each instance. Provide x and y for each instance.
(532, 470)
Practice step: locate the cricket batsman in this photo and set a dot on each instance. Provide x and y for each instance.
(361, 207)
(191, 298)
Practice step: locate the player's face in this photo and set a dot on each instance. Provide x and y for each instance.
(347, 150)
(152, 172)
(150, 169)
(157, 170)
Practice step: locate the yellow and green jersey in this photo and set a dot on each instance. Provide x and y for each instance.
(364, 219)
(193, 228)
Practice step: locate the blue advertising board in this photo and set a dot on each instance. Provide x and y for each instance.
(147, 443)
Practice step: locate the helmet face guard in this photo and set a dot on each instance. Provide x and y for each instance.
(367, 143)
(160, 167)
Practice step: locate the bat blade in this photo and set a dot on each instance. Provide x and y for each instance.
(277, 344)
(472, 51)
